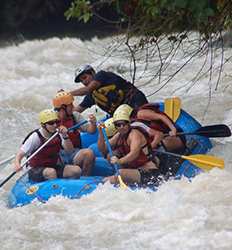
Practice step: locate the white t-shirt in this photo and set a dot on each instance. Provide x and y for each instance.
(32, 143)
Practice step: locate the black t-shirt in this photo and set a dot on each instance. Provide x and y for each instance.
(106, 78)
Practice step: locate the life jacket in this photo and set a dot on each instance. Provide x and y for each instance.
(123, 149)
(73, 135)
(108, 97)
(153, 124)
(47, 156)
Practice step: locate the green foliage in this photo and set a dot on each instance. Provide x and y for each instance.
(150, 17)
(80, 9)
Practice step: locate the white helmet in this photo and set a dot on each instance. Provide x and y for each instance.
(81, 70)
(125, 107)
(123, 112)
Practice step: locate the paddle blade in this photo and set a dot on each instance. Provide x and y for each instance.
(219, 130)
(205, 162)
(172, 107)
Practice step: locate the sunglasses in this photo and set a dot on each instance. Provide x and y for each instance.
(52, 122)
(57, 109)
(120, 124)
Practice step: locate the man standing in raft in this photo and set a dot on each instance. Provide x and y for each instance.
(105, 89)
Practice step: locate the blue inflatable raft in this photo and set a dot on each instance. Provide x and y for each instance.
(24, 191)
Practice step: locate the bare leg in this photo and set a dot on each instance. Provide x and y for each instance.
(173, 143)
(49, 173)
(157, 137)
(129, 176)
(84, 158)
(72, 171)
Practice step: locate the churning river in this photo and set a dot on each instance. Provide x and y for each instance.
(180, 215)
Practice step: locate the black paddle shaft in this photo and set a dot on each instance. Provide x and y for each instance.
(8, 178)
(219, 130)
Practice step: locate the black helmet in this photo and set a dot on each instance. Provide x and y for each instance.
(81, 70)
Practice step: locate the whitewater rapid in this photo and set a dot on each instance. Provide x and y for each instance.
(180, 215)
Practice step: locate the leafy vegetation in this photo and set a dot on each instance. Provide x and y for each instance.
(156, 17)
(155, 31)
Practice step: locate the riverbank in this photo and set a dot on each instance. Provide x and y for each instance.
(57, 28)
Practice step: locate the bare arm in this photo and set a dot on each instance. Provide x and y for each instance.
(18, 159)
(157, 137)
(66, 142)
(151, 115)
(79, 109)
(91, 128)
(86, 89)
(136, 141)
(101, 141)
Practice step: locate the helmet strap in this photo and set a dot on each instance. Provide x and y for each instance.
(65, 110)
(45, 128)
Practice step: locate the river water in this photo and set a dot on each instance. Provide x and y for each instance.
(180, 215)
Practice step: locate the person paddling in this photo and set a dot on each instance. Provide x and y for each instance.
(157, 123)
(45, 164)
(105, 89)
(63, 104)
(132, 151)
(110, 132)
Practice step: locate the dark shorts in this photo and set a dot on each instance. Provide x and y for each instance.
(67, 158)
(36, 174)
(150, 177)
(168, 167)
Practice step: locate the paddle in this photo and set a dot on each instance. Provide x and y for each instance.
(116, 166)
(219, 130)
(205, 162)
(172, 107)
(7, 160)
(41, 147)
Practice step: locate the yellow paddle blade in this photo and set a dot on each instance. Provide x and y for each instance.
(172, 107)
(121, 183)
(205, 162)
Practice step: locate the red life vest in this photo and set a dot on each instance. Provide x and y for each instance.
(153, 124)
(74, 135)
(123, 149)
(47, 156)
